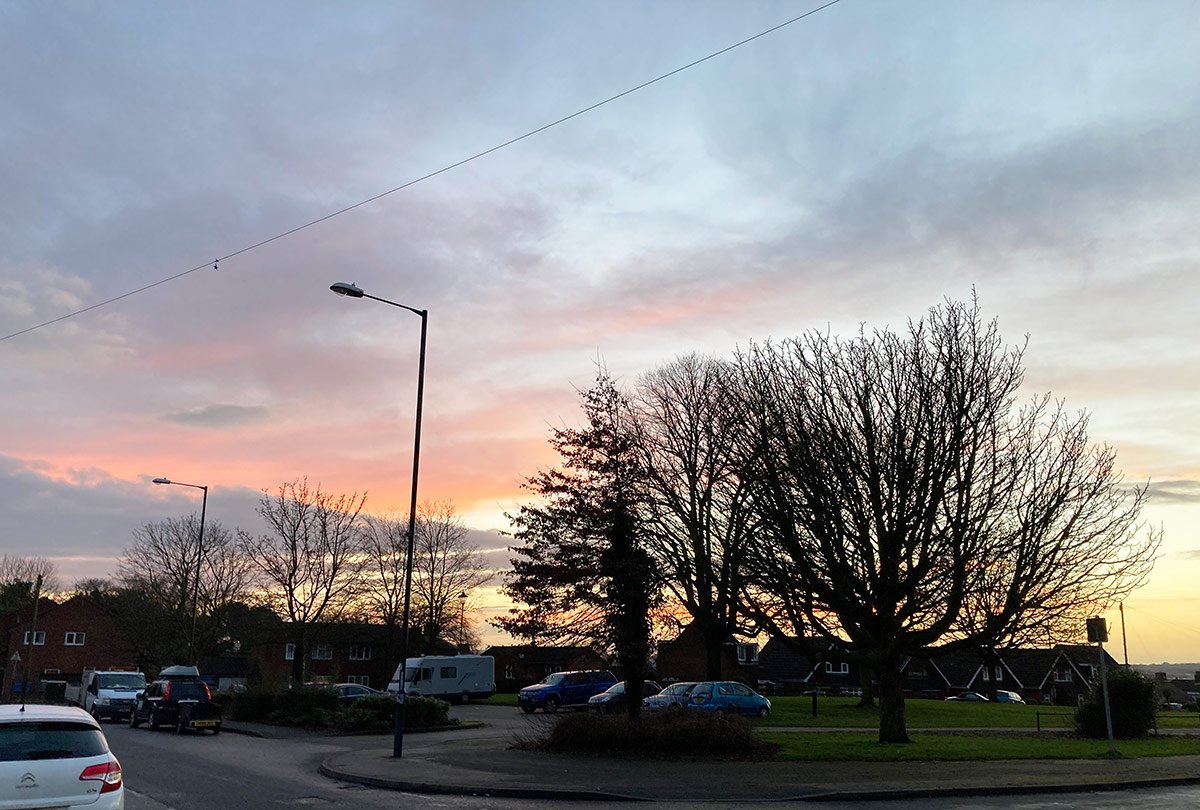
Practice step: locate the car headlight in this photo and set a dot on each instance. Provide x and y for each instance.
(104, 701)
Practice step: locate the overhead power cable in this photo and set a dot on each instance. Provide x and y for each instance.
(423, 177)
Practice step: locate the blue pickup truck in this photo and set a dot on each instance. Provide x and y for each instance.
(560, 689)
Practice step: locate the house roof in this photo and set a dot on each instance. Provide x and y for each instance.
(779, 662)
(535, 654)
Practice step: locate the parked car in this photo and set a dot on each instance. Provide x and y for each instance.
(728, 696)
(560, 689)
(969, 697)
(350, 692)
(56, 756)
(674, 697)
(613, 698)
(179, 699)
(1007, 696)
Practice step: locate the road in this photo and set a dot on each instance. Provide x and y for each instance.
(165, 771)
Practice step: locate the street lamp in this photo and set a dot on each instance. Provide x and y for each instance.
(199, 557)
(354, 291)
(462, 620)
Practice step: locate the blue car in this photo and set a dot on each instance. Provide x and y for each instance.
(730, 697)
(560, 689)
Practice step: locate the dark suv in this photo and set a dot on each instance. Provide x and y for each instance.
(564, 689)
(180, 701)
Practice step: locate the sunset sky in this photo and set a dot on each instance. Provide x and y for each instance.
(857, 166)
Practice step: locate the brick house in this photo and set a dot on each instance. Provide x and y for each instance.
(338, 653)
(522, 664)
(684, 658)
(72, 636)
(792, 672)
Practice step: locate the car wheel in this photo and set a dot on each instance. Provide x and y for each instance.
(465, 698)
(764, 712)
(551, 705)
(133, 721)
(216, 729)
(152, 721)
(95, 714)
(674, 707)
(180, 725)
(527, 709)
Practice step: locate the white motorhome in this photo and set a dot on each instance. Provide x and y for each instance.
(106, 693)
(457, 678)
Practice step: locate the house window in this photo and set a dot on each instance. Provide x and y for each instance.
(510, 672)
(289, 652)
(999, 674)
(322, 652)
(1063, 675)
(73, 638)
(39, 638)
(747, 653)
(360, 652)
(985, 675)
(836, 668)
(361, 680)
(916, 672)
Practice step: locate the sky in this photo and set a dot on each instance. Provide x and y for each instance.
(855, 167)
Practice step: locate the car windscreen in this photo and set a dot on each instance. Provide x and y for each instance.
(616, 689)
(125, 682)
(679, 688)
(21, 742)
(553, 679)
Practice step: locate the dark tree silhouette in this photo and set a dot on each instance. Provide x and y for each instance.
(581, 572)
(910, 507)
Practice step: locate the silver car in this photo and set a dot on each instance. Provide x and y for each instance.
(56, 756)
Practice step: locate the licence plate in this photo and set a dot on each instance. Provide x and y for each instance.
(204, 723)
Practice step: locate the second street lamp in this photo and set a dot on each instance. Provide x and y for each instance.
(353, 291)
(192, 657)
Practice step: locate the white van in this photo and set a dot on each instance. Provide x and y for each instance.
(457, 678)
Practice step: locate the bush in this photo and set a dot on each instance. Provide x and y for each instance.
(425, 712)
(1133, 703)
(667, 735)
(306, 706)
(253, 706)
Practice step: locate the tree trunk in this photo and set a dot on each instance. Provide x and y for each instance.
(867, 701)
(714, 645)
(892, 727)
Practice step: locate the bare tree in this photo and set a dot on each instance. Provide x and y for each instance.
(160, 568)
(381, 596)
(312, 560)
(909, 508)
(699, 514)
(445, 564)
(17, 569)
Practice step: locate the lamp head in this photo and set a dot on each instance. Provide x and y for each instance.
(351, 290)
(162, 480)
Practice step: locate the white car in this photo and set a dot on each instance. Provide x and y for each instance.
(56, 756)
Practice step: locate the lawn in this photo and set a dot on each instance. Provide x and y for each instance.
(962, 746)
(500, 699)
(834, 712)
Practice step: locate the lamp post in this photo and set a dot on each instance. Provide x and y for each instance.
(462, 620)
(353, 291)
(199, 558)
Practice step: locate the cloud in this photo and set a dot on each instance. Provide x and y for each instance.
(1182, 491)
(219, 416)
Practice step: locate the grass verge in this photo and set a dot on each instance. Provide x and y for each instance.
(964, 746)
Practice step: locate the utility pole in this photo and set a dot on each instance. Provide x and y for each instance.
(1124, 644)
(37, 598)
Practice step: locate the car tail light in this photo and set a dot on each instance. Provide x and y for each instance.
(108, 774)
(207, 693)
(167, 691)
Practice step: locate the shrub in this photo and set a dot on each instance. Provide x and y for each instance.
(424, 712)
(306, 706)
(668, 735)
(1133, 703)
(253, 706)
